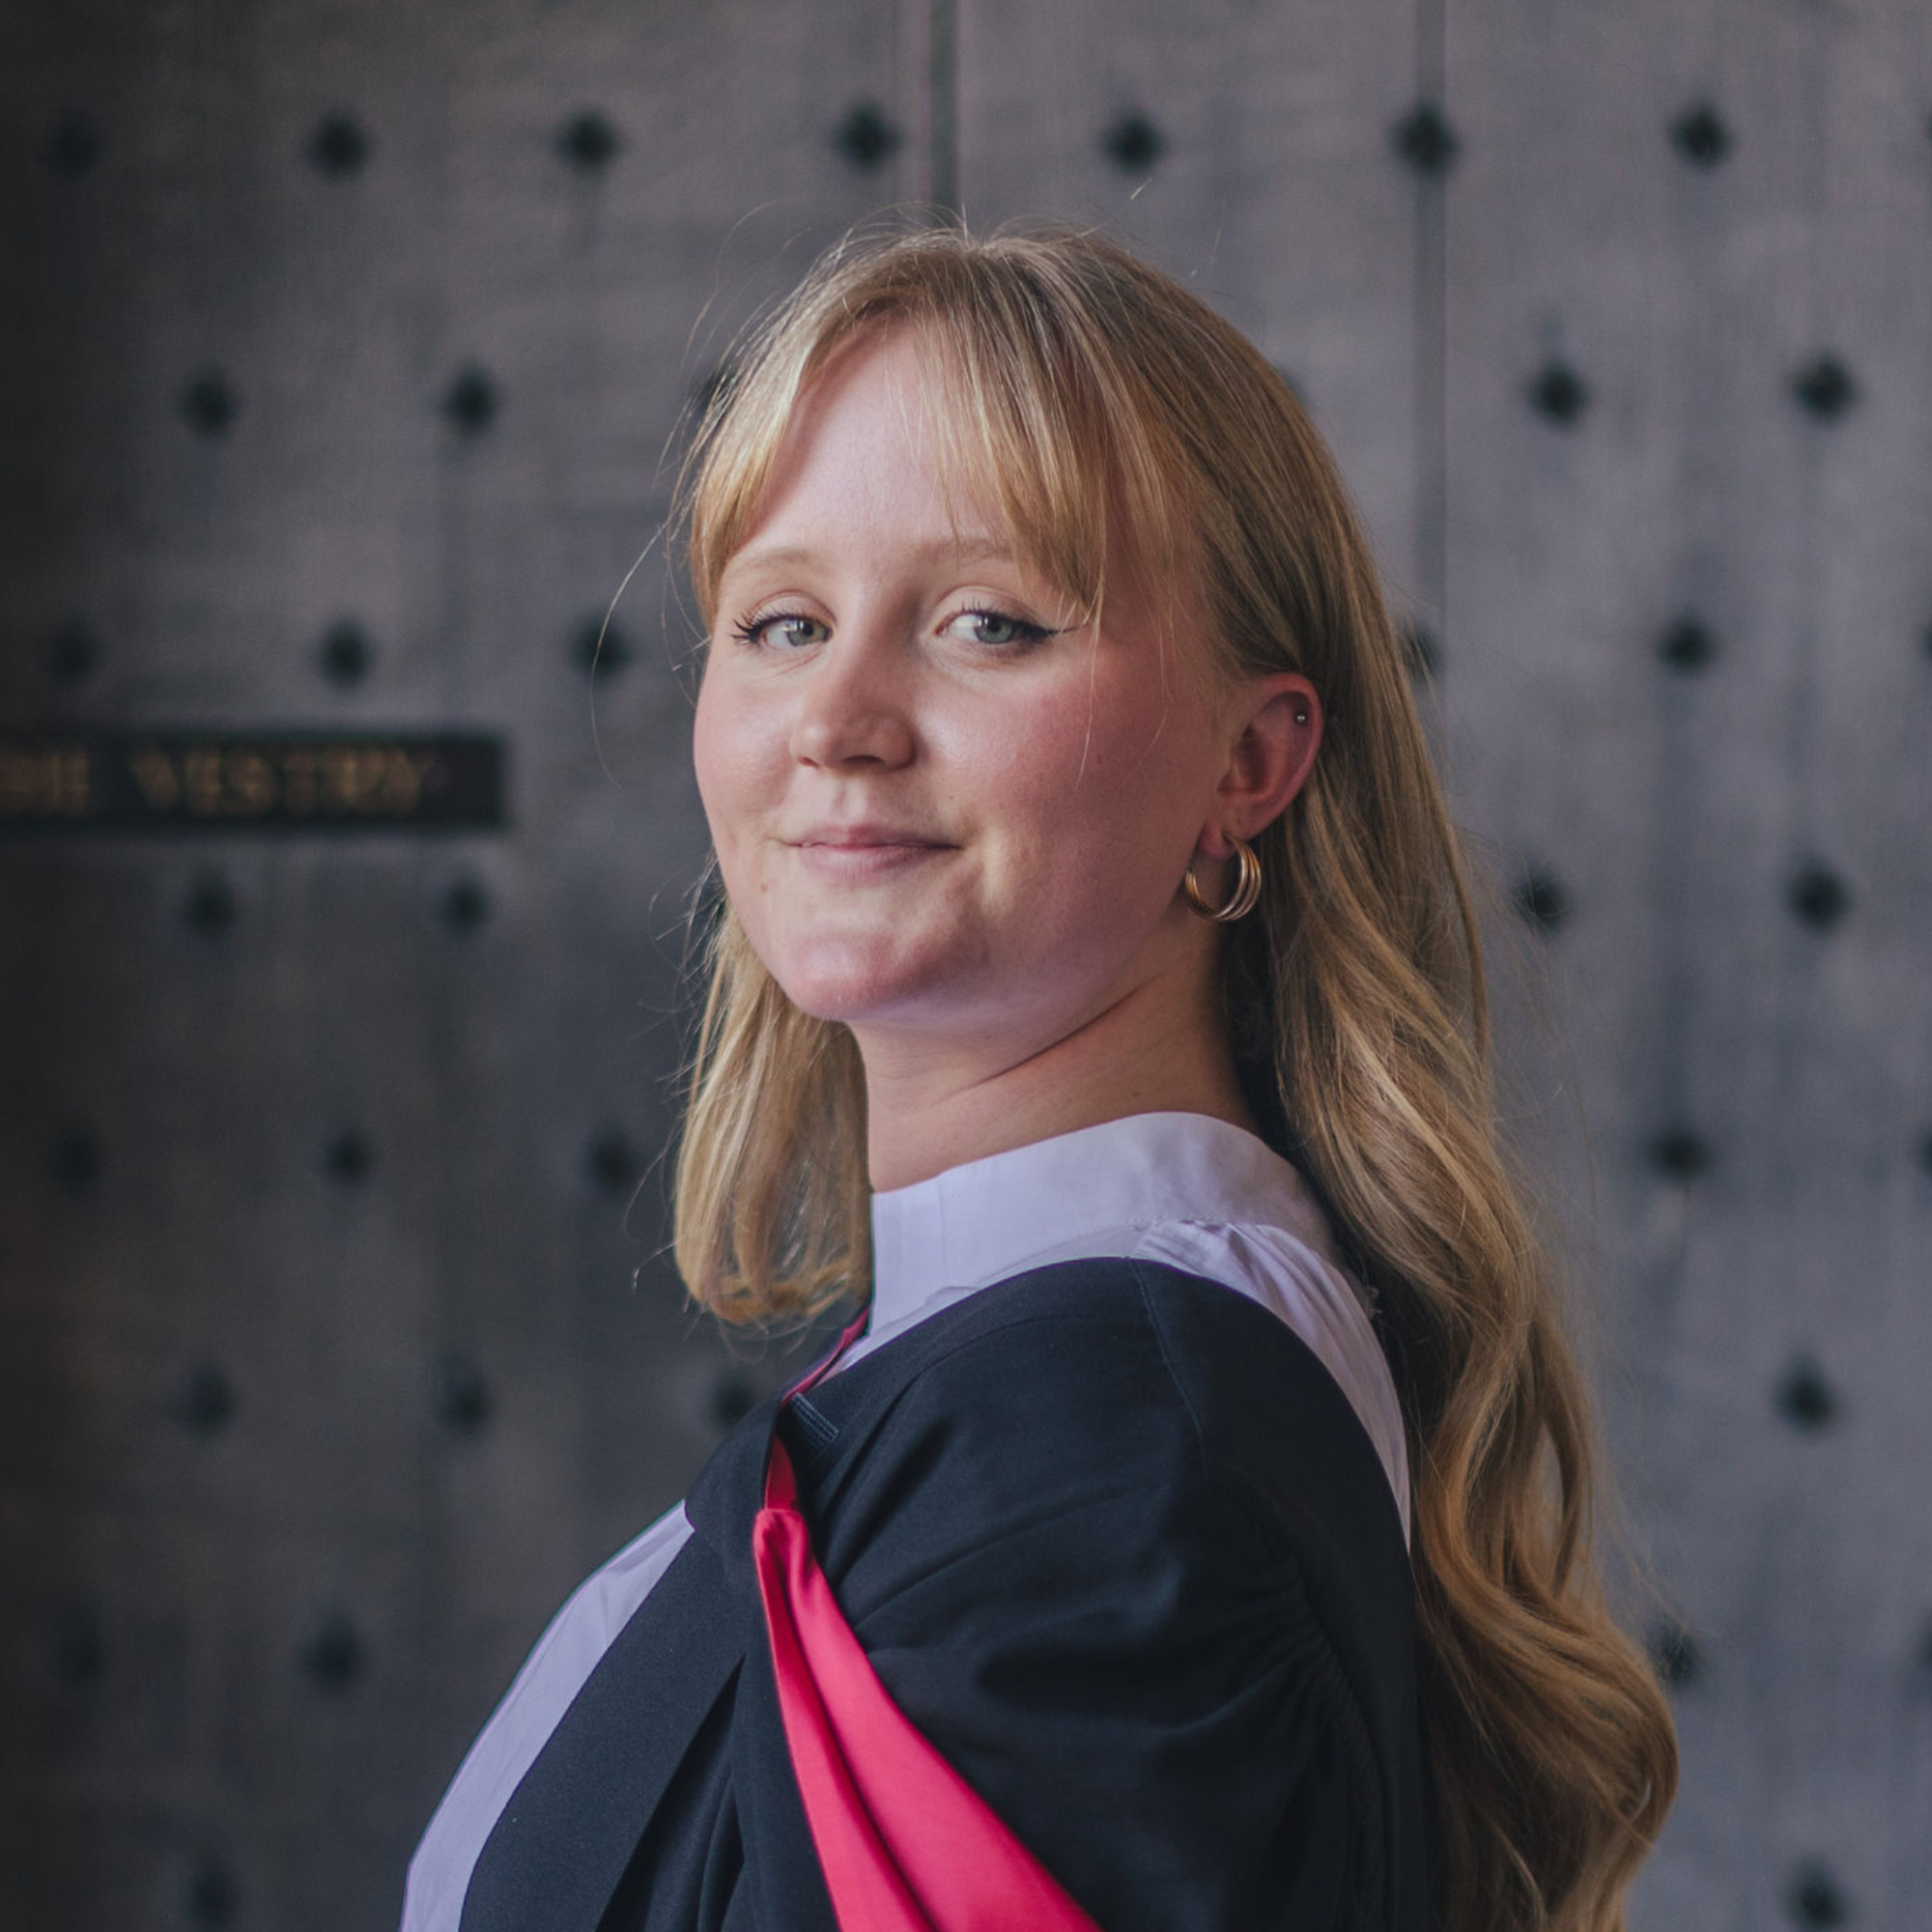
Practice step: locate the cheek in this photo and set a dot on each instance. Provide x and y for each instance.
(722, 757)
(1102, 803)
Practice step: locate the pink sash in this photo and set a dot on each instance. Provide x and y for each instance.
(905, 1843)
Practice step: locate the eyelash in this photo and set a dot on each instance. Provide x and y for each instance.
(752, 629)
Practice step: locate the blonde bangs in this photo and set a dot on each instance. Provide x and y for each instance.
(1032, 410)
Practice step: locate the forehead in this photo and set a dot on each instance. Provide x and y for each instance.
(881, 433)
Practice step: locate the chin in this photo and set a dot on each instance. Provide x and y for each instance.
(844, 989)
(855, 986)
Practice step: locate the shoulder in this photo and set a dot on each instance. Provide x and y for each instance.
(1072, 1387)
(1099, 1550)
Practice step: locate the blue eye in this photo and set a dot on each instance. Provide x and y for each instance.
(1000, 627)
(783, 629)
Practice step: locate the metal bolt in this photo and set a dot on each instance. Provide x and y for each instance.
(1700, 136)
(1543, 901)
(1818, 895)
(72, 145)
(338, 147)
(1557, 391)
(208, 403)
(205, 1403)
(1688, 645)
(1804, 1398)
(1826, 388)
(866, 137)
(1681, 1153)
(1424, 139)
(461, 1401)
(470, 402)
(587, 141)
(1133, 143)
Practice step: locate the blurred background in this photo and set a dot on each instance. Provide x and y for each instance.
(343, 868)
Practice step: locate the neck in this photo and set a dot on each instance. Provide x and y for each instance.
(932, 1106)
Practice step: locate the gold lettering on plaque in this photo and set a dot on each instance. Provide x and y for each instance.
(201, 771)
(155, 773)
(402, 783)
(252, 787)
(299, 781)
(54, 781)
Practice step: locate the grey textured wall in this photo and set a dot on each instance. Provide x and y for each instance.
(341, 345)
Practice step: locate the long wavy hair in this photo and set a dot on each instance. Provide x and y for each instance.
(1083, 393)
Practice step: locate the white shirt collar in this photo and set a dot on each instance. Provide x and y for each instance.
(987, 1219)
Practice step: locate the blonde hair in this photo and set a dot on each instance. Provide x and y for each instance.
(1086, 391)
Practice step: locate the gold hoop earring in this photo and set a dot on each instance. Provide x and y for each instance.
(1241, 901)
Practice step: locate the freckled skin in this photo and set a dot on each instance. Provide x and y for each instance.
(961, 837)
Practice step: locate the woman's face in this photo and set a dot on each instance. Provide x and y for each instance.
(945, 810)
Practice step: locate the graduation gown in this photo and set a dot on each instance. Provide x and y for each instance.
(1116, 1543)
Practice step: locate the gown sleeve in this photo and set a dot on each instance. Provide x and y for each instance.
(1133, 1624)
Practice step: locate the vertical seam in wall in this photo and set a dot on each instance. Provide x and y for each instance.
(1430, 426)
(942, 118)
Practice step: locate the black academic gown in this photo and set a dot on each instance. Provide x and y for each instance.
(1117, 1545)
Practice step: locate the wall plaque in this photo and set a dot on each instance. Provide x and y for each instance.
(53, 781)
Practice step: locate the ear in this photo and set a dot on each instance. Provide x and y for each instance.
(1276, 722)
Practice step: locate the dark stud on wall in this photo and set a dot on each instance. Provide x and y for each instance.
(1688, 645)
(1826, 388)
(599, 647)
(865, 136)
(461, 1400)
(588, 141)
(73, 653)
(210, 404)
(338, 147)
(1559, 393)
(210, 906)
(1423, 654)
(74, 145)
(331, 1655)
(345, 654)
(76, 1652)
(349, 1159)
(1424, 139)
(204, 1401)
(466, 905)
(210, 1896)
(1818, 895)
(1804, 1398)
(76, 1160)
(472, 402)
(612, 1161)
(1925, 1150)
(1813, 1896)
(1680, 1154)
(1543, 900)
(1677, 1655)
(1700, 136)
(1133, 143)
(732, 1399)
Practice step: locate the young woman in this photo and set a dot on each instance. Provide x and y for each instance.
(1096, 1006)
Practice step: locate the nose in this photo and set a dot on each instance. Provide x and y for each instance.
(854, 706)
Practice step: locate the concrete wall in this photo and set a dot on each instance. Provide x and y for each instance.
(342, 346)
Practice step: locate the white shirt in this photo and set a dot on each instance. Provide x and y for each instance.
(1193, 1193)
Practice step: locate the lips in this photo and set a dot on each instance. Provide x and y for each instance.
(861, 837)
(854, 852)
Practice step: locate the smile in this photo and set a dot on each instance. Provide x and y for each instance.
(863, 851)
